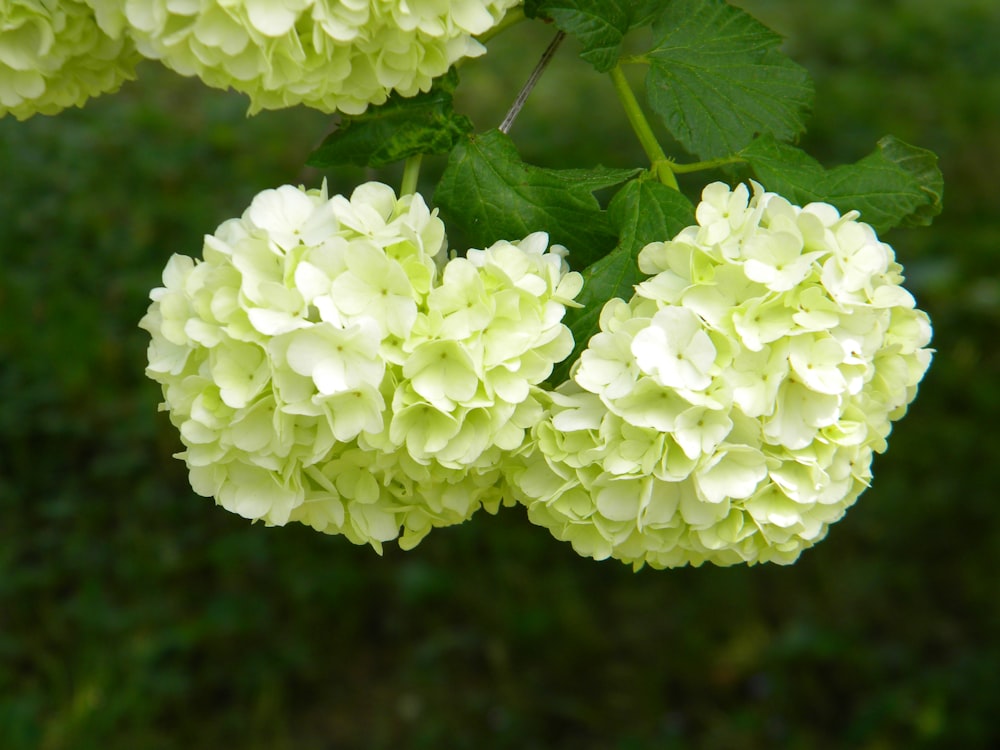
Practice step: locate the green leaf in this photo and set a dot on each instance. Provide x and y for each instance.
(922, 166)
(643, 211)
(717, 79)
(896, 185)
(532, 8)
(400, 128)
(490, 194)
(599, 25)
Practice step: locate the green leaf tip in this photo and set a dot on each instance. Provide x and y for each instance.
(896, 185)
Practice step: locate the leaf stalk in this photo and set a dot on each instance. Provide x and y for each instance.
(701, 166)
(640, 125)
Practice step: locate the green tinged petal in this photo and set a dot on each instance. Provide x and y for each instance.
(728, 412)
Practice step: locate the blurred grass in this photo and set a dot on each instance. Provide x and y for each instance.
(135, 615)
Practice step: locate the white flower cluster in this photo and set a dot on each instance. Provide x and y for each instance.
(728, 412)
(323, 363)
(331, 55)
(53, 55)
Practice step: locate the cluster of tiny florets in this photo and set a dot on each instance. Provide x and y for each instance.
(326, 363)
(53, 55)
(729, 411)
(330, 55)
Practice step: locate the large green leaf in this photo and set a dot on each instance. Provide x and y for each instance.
(717, 79)
(643, 211)
(896, 185)
(490, 194)
(402, 127)
(599, 25)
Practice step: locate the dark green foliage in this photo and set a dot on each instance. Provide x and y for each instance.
(402, 127)
(135, 615)
(600, 25)
(717, 79)
(489, 194)
(897, 185)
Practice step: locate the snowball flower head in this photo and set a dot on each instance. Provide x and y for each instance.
(53, 55)
(729, 411)
(332, 55)
(325, 363)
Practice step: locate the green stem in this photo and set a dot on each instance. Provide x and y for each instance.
(411, 172)
(639, 123)
(514, 16)
(700, 166)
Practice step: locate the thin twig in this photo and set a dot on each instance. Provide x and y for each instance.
(522, 96)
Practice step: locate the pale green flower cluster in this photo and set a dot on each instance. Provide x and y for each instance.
(729, 411)
(53, 55)
(325, 364)
(332, 55)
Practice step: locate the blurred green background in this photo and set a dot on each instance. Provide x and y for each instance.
(134, 615)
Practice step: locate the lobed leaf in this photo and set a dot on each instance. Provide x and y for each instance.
(599, 25)
(896, 185)
(490, 194)
(717, 80)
